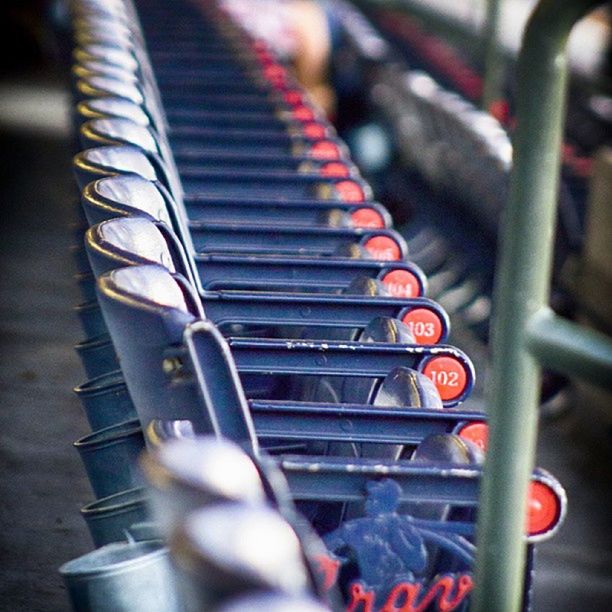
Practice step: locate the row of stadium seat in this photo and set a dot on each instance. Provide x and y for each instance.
(254, 321)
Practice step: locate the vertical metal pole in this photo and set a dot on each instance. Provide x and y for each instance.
(522, 289)
(493, 60)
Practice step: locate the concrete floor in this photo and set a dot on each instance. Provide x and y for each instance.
(42, 484)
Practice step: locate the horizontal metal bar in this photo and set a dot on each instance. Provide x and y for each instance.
(571, 349)
(242, 238)
(353, 422)
(333, 358)
(222, 271)
(339, 479)
(329, 310)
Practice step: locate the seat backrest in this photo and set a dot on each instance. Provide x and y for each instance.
(107, 55)
(129, 241)
(118, 131)
(146, 312)
(149, 285)
(112, 107)
(126, 241)
(121, 196)
(99, 162)
(97, 85)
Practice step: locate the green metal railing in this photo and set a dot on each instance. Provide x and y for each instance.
(525, 332)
